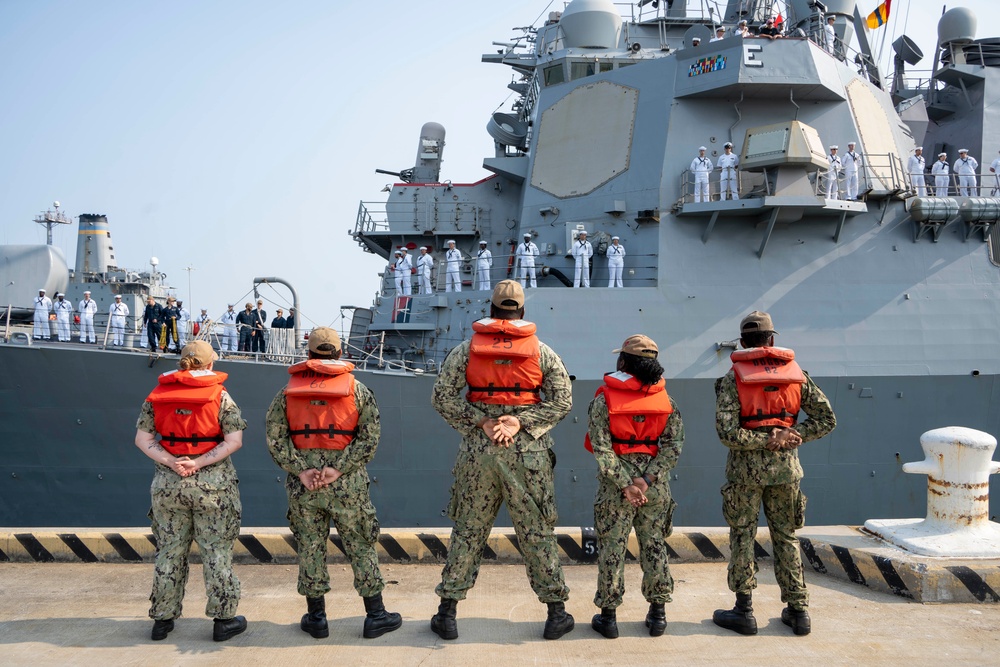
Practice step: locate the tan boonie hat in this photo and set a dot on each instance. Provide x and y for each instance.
(640, 346)
(200, 352)
(757, 321)
(508, 290)
(324, 340)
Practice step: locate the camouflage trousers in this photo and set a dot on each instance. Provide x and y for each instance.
(784, 508)
(348, 505)
(484, 480)
(182, 514)
(614, 518)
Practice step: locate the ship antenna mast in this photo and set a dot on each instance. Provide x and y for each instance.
(50, 219)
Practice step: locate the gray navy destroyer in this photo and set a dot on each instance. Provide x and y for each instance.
(891, 301)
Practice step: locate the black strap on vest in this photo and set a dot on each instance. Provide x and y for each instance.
(517, 389)
(194, 439)
(633, 442)
(330, 431)
(784, 414)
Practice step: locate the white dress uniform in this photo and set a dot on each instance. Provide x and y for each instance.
(182, 326)
(118, 313)
(453, 262)
(831, 38)
(616, 263)
(701, 167)
(43, 306)
(229, 339)
(408, 274)
(940, 171)
(401, 272)
(582, 252)
(995, 170)
(836, 166)
(728, 164)
(484, 262)
(424, 265)
(87, 308)
(965, 169)
(526, 253)
(63, 310)
(916, 166)
(851, 161)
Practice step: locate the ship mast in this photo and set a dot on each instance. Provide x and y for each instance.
(50, 219)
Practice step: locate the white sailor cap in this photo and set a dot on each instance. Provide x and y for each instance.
(41, 289)
(720, 29)
(695, 40)
(482, 243)
(228, 304)
(942, 155)
(702, 148)
(582, 232)
(728, 144)
(963, 150)
(398, 252)
(851, 143)
(87, 292)
(425, 248)
(615, 238)
(59, 294)
(918, 148)
(527, 235)
(118, 296)
(743, 22)
(834, 147)
(449, 241)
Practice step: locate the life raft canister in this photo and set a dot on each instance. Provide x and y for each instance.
(504, 363)
(769, 383)
(186, 410)
(637, 413)
(320, 404)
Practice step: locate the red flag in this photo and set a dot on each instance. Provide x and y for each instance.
(778, 20)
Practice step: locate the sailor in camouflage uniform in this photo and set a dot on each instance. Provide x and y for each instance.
(323, 429)
(195, 491)
(518, 390)
(757, 405)
(636, 433)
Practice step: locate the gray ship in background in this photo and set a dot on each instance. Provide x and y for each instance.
(892, 301)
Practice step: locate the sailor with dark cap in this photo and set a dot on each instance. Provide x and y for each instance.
(43, 308)
(728, 163)
(757, 417)
(526, 253)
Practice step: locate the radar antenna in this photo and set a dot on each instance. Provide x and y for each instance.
(50, 219)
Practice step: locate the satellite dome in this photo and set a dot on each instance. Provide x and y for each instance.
(591, 24)
(957, 25)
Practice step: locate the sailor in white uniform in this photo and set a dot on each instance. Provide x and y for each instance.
(701, 167)
(965, 169)
(995, 170)
(63, 309)
(424, 265)
(616, 262)
(408, 273)
(87, 308)
(852, 161)
(118, 313)
(526, 253)
(484, 262)
(742, 30)
(43, 306)
(831, 35)
(728, 163)
(720, 34)
(582, 252)
(940, 171)
(183, 317)
(229, 338)
(453, 262)
(916, 166)
(399, 270)
(836, 166)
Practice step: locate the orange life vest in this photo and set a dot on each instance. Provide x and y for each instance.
(769, 384)
(186, 411)
(320, 404)
(504, 363)
(637, 413)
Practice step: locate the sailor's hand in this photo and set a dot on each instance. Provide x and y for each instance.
(792, 438)
(328, 476)
(509, 427)
(310, 478)
(634, 496)
(783, 438)
(640, 483)
(184, 466)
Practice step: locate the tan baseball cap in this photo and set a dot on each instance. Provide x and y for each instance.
(508, 290)
(324, 341)
(757, 321)
(640, 346)
(199, 352)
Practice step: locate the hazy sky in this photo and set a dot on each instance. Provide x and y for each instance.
(238, 137)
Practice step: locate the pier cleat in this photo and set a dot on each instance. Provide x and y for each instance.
(314, 620)
(606, 623)
(161, 629)
(227, 628)
(738, 619)
(559, 622)
(443, 623)
(656, 619)
(797, 619)
(378, 621)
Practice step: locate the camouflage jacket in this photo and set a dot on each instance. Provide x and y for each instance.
(621, 470)
(352, 458)
(448, 398)
(749, 460)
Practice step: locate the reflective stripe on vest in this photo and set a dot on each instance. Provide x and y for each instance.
(320, 406)
(769, 384)
(186, 411)
(637, 414)
(504, 363)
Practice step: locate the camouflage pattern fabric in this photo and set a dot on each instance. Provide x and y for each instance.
(757, 476)
(487, 475)
(346, 502)
(203, 508)
(614, 517)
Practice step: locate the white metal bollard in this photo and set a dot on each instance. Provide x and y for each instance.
(958, 466)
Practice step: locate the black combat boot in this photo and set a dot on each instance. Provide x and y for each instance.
(443, 622)
(227, 628)
(314, 620)
(797, 619)
(656, 619)
(559, 622)
(738, 619)
(161, 629)
(378, 621)
(606, 623)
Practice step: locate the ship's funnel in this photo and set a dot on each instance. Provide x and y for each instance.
(957, 26)
(430, 150)
(94, 252)
(907, 50)
(591, 24)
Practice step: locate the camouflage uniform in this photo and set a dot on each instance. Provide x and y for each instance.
(614, 516)
(205, 508)
(487, 474)
(346, 502)
(755, 475)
